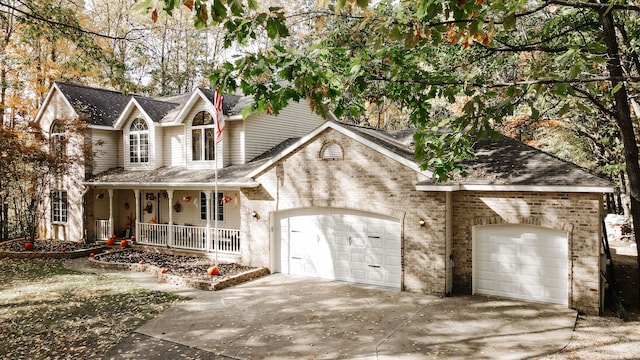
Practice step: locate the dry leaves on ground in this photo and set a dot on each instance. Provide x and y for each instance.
(49, 312)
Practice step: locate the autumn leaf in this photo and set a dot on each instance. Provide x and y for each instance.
(154, 15)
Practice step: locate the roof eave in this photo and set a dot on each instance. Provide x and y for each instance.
(47, 100)
(335, 126)
(133, 103)
(518, 188)
(165, 185)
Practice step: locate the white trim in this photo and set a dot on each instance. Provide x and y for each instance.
(178, 186)
(45, 104)
(335, 126)
(124, 116)
(536, 188)
(101, 127)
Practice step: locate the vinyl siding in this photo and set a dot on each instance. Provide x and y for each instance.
(262, 132)
(105, 148)
(173, 146)
(235, 136)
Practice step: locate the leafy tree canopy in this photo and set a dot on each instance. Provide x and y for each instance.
(491, 60)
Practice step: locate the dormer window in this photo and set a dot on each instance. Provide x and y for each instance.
(139, 141)
(203, 138)
(58, 140)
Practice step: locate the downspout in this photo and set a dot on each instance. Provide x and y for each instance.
(448, 235)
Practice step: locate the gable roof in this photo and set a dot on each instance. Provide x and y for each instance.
(504, 164)
(228, 105)
(379, 141)
(108, 107)
(102, 107)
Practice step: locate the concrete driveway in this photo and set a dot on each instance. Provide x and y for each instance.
(286, 317)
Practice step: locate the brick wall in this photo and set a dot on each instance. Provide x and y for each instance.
(364, 180)
(576, 213)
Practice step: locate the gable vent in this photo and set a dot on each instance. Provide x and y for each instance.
(331, 151)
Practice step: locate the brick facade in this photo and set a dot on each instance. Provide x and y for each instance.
(369, 181)
(578, 214)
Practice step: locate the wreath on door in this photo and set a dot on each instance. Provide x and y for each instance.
(149, 207)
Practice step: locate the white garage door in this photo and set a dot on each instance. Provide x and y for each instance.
(521, 262)
(340, 244)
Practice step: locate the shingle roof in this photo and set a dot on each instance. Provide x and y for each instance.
(177, 174)
(504, 161)
(102, 107)
(156, 109)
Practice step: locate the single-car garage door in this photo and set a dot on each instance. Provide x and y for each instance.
(522, 262)
(339, 244)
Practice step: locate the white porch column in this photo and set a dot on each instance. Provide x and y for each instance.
(136, 192)
(110, 211)
(208, 235)
(170, 237)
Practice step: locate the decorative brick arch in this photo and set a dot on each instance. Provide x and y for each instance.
(531, 220)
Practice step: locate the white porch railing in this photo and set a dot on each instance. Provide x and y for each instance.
(102, 230)
(189, 237)
(153, 234)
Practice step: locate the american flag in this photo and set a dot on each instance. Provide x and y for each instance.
(219, 118)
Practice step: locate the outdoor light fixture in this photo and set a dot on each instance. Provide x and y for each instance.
(255, 215)
(421, 222)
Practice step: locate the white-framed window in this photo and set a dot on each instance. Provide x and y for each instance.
(59, 206)
(204, 205)
(203, 137)
(139, 141)
(58, 138)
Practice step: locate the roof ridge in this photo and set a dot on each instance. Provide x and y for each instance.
(92, 88)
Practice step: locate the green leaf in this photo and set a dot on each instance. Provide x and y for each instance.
(363, 3)
(510, 21)
(617, 88)
(575, 71)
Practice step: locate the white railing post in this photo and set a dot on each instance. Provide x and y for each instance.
(171, 230)
(136, 192)
(110, 212)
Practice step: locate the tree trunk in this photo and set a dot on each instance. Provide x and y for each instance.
(623, 119)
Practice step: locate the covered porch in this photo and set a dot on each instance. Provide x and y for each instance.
(175, 218)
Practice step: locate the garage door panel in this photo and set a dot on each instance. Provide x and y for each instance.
(341, 244)
(521, 261)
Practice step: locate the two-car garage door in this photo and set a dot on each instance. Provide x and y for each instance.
(339, 244)
(522, 262)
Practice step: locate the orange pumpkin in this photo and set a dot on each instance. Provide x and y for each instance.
(213, 271)
(124, 243)
(110, 242)
(92, 255)
(164, 271)
(141, 262)
(28, 246)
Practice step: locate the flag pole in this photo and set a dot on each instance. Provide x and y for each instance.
(219, 126)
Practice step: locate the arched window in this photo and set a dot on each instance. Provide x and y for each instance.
(139, 141)
(203, 137)
(58, 138)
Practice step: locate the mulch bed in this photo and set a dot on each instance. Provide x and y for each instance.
(194, 267)
(46, 246)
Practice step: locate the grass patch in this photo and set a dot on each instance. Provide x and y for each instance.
(50, 312)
